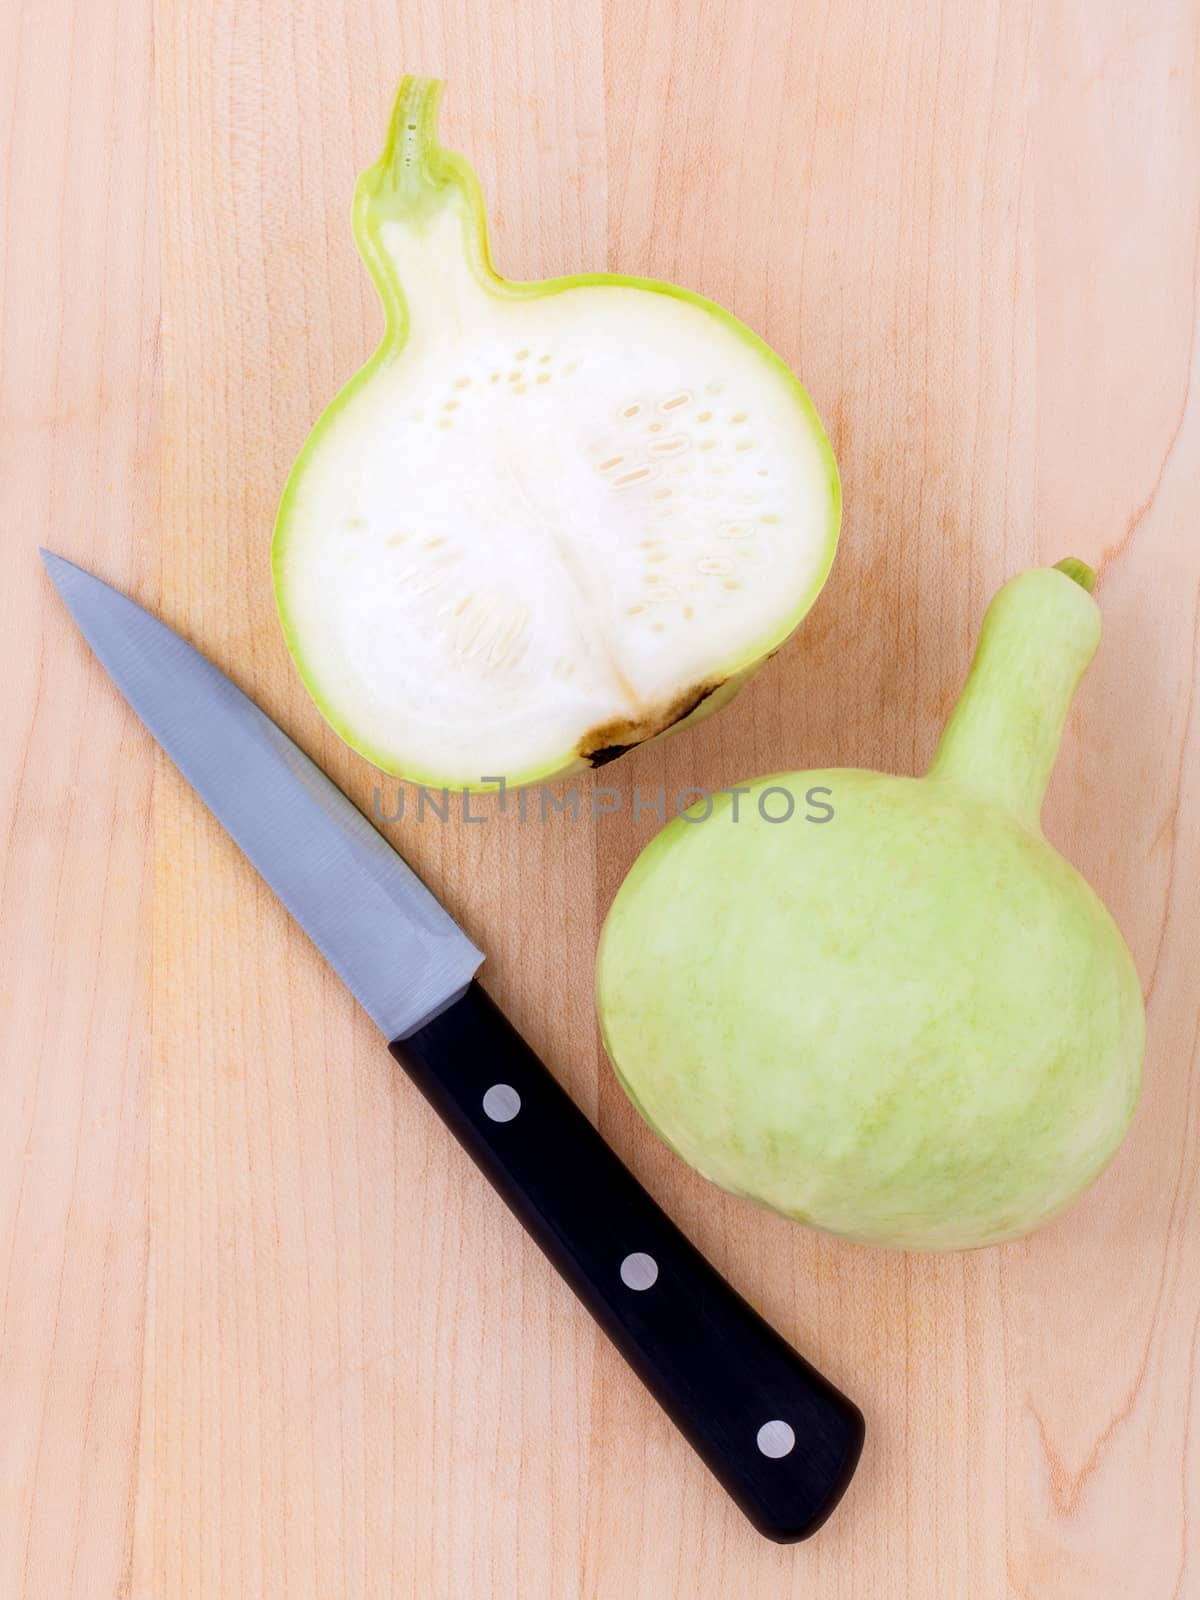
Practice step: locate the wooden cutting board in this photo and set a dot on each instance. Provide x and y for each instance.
(263, 1332)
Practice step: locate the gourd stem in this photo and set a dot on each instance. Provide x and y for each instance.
(1079, 571)
(412, 142)
(418, 219)
(1038, 636)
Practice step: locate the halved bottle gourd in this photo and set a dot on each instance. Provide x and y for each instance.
(547, 520)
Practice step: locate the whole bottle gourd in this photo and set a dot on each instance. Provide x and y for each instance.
(915, 1023)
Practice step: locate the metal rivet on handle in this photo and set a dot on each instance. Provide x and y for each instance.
(639, 1271)
(776, 1439)
(502, 1102)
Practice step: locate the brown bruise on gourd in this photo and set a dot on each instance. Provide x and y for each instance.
(610, 740)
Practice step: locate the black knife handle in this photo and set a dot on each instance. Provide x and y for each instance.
(782, 1440)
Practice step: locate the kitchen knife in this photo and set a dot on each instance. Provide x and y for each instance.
(780, 1438)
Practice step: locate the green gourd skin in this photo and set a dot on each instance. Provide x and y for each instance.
(914, 1024)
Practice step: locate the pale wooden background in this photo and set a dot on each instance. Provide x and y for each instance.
(262, 1329)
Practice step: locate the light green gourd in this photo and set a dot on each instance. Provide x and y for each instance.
(547, 520)
(914, 1023)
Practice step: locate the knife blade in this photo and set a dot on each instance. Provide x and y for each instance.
(394, 947)
(779, 1437)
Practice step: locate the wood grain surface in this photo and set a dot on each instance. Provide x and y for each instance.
(263, 1331)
